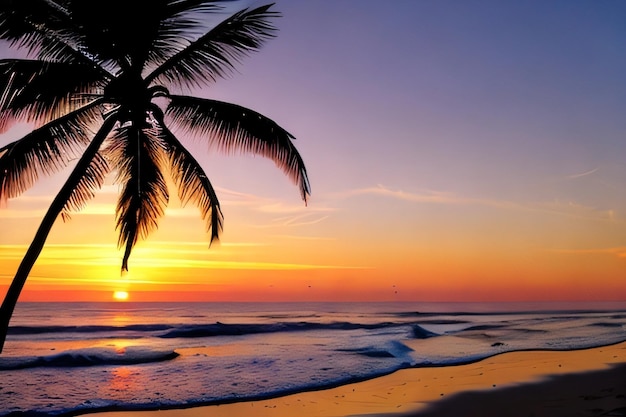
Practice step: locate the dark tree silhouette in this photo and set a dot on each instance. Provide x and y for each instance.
(99, 84)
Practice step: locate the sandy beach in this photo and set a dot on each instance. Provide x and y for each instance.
(589, 382)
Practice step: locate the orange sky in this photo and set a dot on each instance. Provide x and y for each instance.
(392, 249)
(439, 169)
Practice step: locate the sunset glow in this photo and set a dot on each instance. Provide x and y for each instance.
(454, 155)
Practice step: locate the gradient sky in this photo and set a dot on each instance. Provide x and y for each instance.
(465, 150)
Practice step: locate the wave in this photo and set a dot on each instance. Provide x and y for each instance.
(166, 331)
(419, 332)
(221, 329)
(203, 330)
(482, 327)
(604, 324)
(29, 330)
(392, 349)
(89, 357)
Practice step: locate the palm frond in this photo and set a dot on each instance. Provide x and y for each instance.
(90, 181)
(138, 158)
(180, 22)
(185, 7)
(26, 23)
(215, 54)
(127, 35)
(44, 151)
(135, 35)
(37, 92)
(231, 128)
(43, 28)
(193, 184)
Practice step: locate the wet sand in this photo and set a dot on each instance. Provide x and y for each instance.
(590, 382)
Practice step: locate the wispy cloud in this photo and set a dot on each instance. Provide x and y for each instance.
(289, 221)
(37, 199)
(266, 205)
(298, 220)
(556, 207)
(572, 209)
(35, 206)
(106, 281)
(582, 174)
(69, 251)
(235, 194)
(21, 214)
(239, 265)
(279, 207)
(429, 196)
(101, 254)
(289, 215)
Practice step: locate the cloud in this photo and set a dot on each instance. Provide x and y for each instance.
(279, 207)
(582, 174)
(107, 281)
(263, 204)
(556, 207)
(238, 265)
(144, 257)
(433, 197)
(298, 220)
(21, 214)
(35, 206)
(572, 209)
(235, 195)
(290, 215)
(70, 251)
(304, 219)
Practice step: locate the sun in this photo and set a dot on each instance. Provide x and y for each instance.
(120, 295)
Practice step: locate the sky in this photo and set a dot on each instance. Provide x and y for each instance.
(466, 150)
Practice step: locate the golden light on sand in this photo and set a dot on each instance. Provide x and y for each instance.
(120, 295)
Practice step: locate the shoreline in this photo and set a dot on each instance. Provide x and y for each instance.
(429, 391)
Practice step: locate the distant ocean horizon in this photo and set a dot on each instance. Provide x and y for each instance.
(430, 306)
(78, 357)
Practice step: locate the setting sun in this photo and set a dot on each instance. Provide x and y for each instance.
(120, 295)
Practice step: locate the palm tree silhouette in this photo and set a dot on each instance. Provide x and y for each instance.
(99, 84)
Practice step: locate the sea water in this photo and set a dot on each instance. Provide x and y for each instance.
(70, 358)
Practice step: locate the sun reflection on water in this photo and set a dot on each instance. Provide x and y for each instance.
(122, 379)
(120, 319)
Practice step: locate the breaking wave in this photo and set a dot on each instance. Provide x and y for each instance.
(89, 357)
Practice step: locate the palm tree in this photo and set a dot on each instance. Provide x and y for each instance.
(98, 84)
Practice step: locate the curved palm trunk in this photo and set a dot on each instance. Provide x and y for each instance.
(13, 293)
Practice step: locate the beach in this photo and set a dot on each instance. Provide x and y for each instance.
(587, 382)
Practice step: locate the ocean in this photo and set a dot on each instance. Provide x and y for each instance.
(73, 358)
